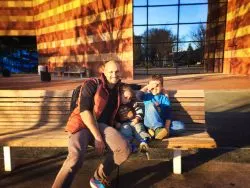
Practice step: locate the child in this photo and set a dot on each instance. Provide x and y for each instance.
(157, 108)
(129, 118)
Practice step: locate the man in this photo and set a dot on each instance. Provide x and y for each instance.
(99, 102)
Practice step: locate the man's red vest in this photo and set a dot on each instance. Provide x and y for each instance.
(75, 122)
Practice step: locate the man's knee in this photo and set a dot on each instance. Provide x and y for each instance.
(74, 161)
(123, 154)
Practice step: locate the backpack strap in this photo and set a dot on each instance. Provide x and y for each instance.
(96, 80)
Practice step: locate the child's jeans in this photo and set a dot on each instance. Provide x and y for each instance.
(152, 120)
(137, 131)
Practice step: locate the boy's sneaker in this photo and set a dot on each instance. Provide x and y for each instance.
(151, 132)
(161, 133)
(143, 147)
(94, 183)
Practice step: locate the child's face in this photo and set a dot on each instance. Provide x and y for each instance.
(126, 97)
(156, 87)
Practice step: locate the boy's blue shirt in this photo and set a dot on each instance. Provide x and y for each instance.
(161, 102)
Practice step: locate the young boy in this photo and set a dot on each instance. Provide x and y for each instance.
(157, 108)
(129, 119)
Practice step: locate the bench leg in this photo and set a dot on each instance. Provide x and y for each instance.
(177, 161)
(7, 158)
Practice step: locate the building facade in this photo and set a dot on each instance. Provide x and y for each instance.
(86, 33)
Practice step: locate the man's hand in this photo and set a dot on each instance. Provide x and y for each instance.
(99, 145)
(118, 125)
(135, 121)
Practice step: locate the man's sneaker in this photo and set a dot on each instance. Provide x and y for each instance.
(161, 133)
(143, 147)
(96, 183)
(151, 132)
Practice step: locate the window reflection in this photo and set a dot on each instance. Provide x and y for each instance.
(200, 31)
(194, 13)
(139, 30)
(162, 2)
(140, 2)
(140, 15)
(161, 15)
(192, 32)
(193, 1)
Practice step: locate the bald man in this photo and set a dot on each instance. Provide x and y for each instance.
(99, 102)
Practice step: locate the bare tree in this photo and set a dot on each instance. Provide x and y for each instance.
(160, 45)
(199, 35)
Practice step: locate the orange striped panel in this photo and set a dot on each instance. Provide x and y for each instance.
(92, 29)
(237, 44)
(86, 9)
(16, 11)
(240, 43)
(16, 25)
(126, 66)
(16, 18)
(94, 48)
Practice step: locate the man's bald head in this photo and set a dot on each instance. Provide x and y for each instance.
(112, 71)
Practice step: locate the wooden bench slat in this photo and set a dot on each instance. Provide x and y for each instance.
(188, 108)
(38, 112)
(33, 142)
(63, 119)
(34, 119)
(185, 99)
(28, 99)
(174, 116)
(46, 104)
(186, 121)
(37, 108)
(9, 112)
(32, 134)
(187, 104)
(192, 144)
(35, 93)
(15, 123)
(188, 113)
(27, 116)
(68, 93)
(63, 103)
(186, 93)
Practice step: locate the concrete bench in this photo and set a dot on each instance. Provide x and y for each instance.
(36, 118)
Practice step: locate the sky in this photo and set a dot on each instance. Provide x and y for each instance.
(169, 15)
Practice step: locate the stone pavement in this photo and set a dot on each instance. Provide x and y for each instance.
(215, 81)
(227, 116)
(208, 168)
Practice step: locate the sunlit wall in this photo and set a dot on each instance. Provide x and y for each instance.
(237, 43)
(215, 35)
(16, 18)
(74, 32)
(90, 32)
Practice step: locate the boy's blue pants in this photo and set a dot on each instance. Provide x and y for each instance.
(152, 120)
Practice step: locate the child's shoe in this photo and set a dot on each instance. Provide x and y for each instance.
(161, 133)
(144, 147)
(151, 132)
